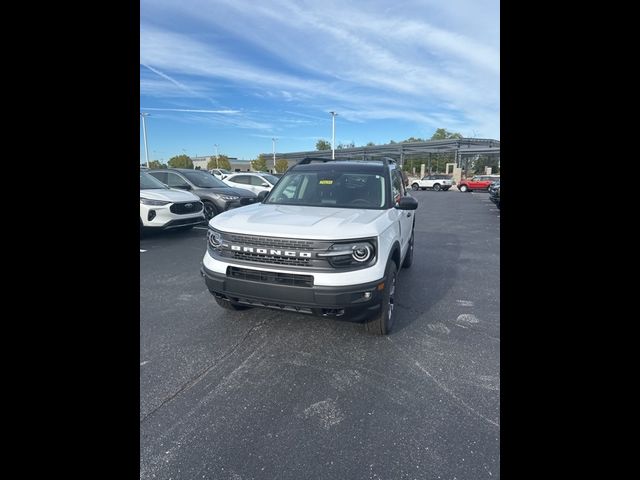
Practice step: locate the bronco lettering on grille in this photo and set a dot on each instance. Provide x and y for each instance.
(271, 251)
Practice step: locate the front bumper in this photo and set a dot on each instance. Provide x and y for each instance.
(267, 289)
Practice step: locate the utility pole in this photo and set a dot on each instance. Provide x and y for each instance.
(216, 145)
(273, 140)
(333, 135)
(144, 131)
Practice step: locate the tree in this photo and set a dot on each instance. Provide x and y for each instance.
(260, 164)
(412, 139)
(444, 134)
(483, 161)
(323, 145)
(223, 162)
(370, 144)
(155, 164)
(281, 165)
(180, 161)
(345, 145)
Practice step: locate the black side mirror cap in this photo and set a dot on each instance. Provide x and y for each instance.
(407, 203)
(262, 195)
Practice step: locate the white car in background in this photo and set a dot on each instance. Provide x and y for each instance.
(219, 173)
(434, 181)
(256, 182)
(164, 208)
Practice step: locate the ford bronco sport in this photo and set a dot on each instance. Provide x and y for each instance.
(328, 240)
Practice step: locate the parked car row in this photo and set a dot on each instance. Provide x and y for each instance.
(216, 195)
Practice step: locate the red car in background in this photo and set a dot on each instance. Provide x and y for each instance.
(478, 182)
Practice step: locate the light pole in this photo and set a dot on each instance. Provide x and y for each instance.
(216, 145)
(333, 135)
(274, 154)
(144, 132)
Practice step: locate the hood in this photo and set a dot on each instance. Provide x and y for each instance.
(169, 195)
(292, 221)
(240, 192)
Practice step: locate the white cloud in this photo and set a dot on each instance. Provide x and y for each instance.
(419, 61)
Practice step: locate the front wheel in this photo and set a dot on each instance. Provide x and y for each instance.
(463, 188)
(382, 322)
(210, 210)
(436, 187)
(415, 186)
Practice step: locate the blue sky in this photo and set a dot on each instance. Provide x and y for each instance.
(238, 73)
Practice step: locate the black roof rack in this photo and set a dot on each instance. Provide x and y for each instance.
(385, 160)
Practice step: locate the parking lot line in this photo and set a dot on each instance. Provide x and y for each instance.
(141, 250)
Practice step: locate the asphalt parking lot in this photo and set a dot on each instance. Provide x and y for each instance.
(263, 394)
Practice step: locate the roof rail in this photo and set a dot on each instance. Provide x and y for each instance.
(385, 160)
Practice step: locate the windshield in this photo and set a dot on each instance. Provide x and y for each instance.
(204, 179)
(148, 182)
(330, 189)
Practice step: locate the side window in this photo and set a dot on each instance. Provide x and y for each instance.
(162, 176)
(240, 179)
(175, 180)
(257, 181)
(397, 189)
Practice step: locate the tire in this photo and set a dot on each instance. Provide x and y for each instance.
(408, 258)
(415, 186)
(210, 210)
(463, 188)
(229, 305)
(382, 322)
(436, 187)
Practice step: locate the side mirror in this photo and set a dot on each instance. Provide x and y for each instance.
(183, 187)
(265, 184)
(407, 203)
(262, 195)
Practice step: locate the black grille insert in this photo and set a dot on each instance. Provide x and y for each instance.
(184, 208)
(277, 278)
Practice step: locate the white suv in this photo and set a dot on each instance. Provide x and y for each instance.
(164, 208)
(435, 181)
(256, 182)
(329, 240)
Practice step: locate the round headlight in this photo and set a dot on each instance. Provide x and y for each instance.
(215, 239)
(361, 252)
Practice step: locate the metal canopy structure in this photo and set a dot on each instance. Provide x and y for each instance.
(462, 146)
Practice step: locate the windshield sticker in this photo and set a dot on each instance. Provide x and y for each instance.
(326, 182)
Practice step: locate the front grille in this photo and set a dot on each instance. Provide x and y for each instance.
(272, 259)
(184, 208)
(277, 278)
(277, 252)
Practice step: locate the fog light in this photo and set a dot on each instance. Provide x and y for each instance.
(366, 295)
(152, 215)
